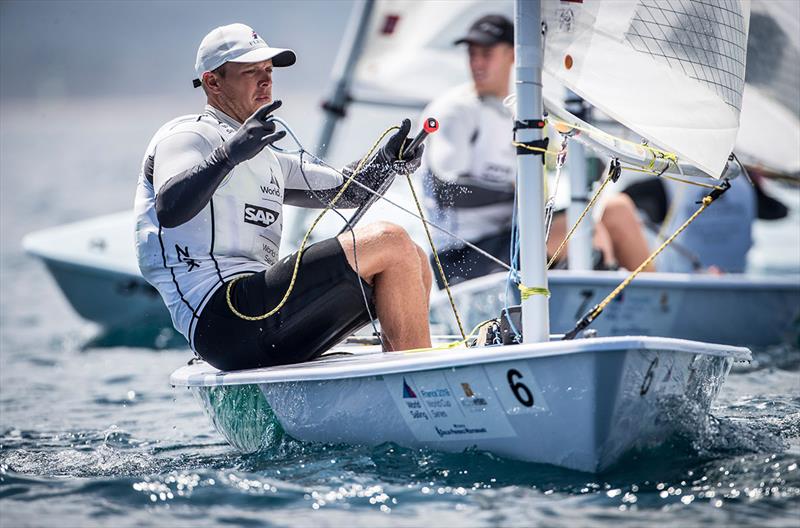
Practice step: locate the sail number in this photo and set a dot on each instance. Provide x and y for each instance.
(520, 390)
(648, 377)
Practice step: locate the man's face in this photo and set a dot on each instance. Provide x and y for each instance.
(246, 87)
(491, 68)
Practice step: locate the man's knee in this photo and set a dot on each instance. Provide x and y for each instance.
(394, 240)
(620, 207)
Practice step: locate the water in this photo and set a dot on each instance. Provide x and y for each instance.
(92, 434)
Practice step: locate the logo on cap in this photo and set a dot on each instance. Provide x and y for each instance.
(490, 28)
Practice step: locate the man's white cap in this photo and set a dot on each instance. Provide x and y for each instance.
(236, 43)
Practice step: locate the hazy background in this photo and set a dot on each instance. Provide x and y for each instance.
(147, 49)
(84, 85)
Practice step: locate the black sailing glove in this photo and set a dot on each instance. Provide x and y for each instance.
(390, 153)
(255, 134)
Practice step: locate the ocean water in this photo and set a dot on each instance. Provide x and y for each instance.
(91, 433)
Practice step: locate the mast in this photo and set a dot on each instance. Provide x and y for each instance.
(580, 245)
(335, 105)
(337, 101)
(529, 52)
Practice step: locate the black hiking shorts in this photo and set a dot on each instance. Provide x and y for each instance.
(326, 305)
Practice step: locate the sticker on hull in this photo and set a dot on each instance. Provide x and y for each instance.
(456, 405)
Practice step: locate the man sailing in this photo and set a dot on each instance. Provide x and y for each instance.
(209, 215)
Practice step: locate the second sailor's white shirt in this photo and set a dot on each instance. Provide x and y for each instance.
(475, 140)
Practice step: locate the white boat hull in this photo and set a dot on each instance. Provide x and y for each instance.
(94, 264)
(731, 309)
(579, 404)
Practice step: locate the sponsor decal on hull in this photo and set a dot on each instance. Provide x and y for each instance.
(449, 406)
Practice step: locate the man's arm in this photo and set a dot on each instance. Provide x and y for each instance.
(181, 192)
(326, 183)
(186, 173)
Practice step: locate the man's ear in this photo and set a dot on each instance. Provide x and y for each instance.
(211, 82)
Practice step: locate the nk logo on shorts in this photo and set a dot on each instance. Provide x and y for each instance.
(260, 216)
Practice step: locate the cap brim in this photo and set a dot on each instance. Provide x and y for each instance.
(479, 38)
(280, 57)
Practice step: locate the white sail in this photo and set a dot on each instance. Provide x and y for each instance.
(769, 134)
(671, 71)
(409, 57)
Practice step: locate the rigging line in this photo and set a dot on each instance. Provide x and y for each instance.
(453, 344)
(296, 268)
(436, 258)
(657, 153)
(689, 182)
(355, 252)
(609, 178)
(549, 208)
(661, 234)
(426, 221)
(687, 253)
(598, 309)
(536, 149)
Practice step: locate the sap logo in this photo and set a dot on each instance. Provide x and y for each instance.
(259, 216)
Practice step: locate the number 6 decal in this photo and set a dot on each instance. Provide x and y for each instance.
(520, 390)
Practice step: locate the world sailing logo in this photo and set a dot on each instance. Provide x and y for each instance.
(408, 392)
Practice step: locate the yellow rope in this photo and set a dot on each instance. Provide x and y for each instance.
(535, 149)
(580, 219)
(436, 258)
(689, 182)
(599, 308)
(657, 153)
(452, 344)
(528, 291)
(303, 243)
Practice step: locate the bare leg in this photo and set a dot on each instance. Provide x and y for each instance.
(602, 241)
(558, 230)
(398, 271)
(625, 230)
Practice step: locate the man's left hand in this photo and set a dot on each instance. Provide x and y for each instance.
(402, 162)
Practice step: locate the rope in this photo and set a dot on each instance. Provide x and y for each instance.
(586, 210)
(535, 149)
(415, 215)
(657, 153)
(452, 344)
(549, 206)
(302, 248)
(528, 291)
(436, 258)
(707, 200)
(689, 182)
(597, 310)
(328, 207)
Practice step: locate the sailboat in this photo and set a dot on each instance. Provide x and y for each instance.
(741, 309)
(577, 403)
(391, 64)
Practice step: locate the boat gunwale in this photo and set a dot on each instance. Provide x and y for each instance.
(677, 281)
(328, 369)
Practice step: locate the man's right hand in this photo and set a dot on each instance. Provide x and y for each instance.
(255, 134)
